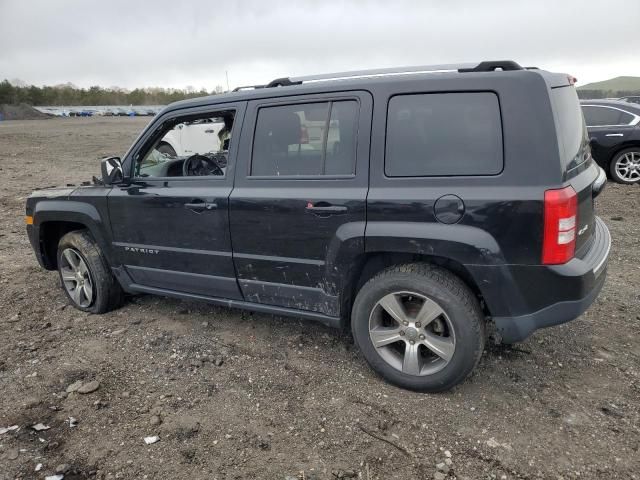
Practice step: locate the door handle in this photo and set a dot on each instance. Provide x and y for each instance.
(200, 206)
(614, 135)
(324, 208)
(209, 130)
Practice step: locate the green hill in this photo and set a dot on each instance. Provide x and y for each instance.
(617, 84)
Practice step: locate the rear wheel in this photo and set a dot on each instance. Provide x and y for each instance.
(85, 275)
(625, 166)
(166, 149)
(419, 327)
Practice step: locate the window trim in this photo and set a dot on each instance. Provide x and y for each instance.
(633, 122)
(330, 100)
(172, 117)
(386, 136)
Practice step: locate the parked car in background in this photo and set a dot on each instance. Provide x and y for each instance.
(614, 130)
(192, 137)
(631, 99)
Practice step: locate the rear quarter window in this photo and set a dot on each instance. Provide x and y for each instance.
(444, 134)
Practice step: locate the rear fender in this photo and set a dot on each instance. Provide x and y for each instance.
(469, 246)
(464, 244)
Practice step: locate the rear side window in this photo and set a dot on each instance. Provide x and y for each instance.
(599, 116)
(444, 134)
(572, 132)
(311, 139)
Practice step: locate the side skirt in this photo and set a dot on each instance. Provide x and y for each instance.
(333, 322)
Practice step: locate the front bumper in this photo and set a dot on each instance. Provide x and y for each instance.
(33, 234)
(569, 289)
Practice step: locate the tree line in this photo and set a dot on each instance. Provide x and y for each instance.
(68, 94)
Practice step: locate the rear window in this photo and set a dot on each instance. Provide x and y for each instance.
(440, 134)
(572, 132)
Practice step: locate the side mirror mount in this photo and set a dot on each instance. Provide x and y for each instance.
(111, 168)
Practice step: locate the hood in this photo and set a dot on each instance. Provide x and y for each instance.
(53, 192)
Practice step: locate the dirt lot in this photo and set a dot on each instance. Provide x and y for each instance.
(240, 395)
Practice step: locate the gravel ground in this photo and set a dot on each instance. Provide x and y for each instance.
(237, 395)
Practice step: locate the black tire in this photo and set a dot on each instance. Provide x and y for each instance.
(106, 291)
(166, 149)
(622, 156)
(452, 296)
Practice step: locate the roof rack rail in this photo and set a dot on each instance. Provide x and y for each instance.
(450, 67)
(487, 66)
(248, 87)
(283, 82)
(493, 66)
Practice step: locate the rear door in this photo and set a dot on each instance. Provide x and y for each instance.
(297, 211)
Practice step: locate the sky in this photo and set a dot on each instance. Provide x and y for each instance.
(184, 43)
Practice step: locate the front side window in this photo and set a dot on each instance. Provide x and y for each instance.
(190, 146)
(601, 116)
(440, 134)
(311, 139)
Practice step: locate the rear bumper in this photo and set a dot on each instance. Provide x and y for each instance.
(543, 296)
(517, 329)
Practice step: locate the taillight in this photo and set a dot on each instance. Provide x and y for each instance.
(560, 220)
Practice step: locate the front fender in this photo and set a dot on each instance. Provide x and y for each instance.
(82, 213)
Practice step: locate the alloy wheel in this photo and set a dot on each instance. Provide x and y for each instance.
(76, 278)
(412, 333)
(628, 166)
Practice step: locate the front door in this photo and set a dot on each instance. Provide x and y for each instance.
(298, 208)
(170, 224)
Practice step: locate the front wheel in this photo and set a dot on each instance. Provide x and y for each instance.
(419, 327)
(85, 275)
(625, 166)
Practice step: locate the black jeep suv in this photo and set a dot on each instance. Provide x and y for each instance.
(417, 206)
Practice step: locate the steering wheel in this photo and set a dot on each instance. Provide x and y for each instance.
(200, 165)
